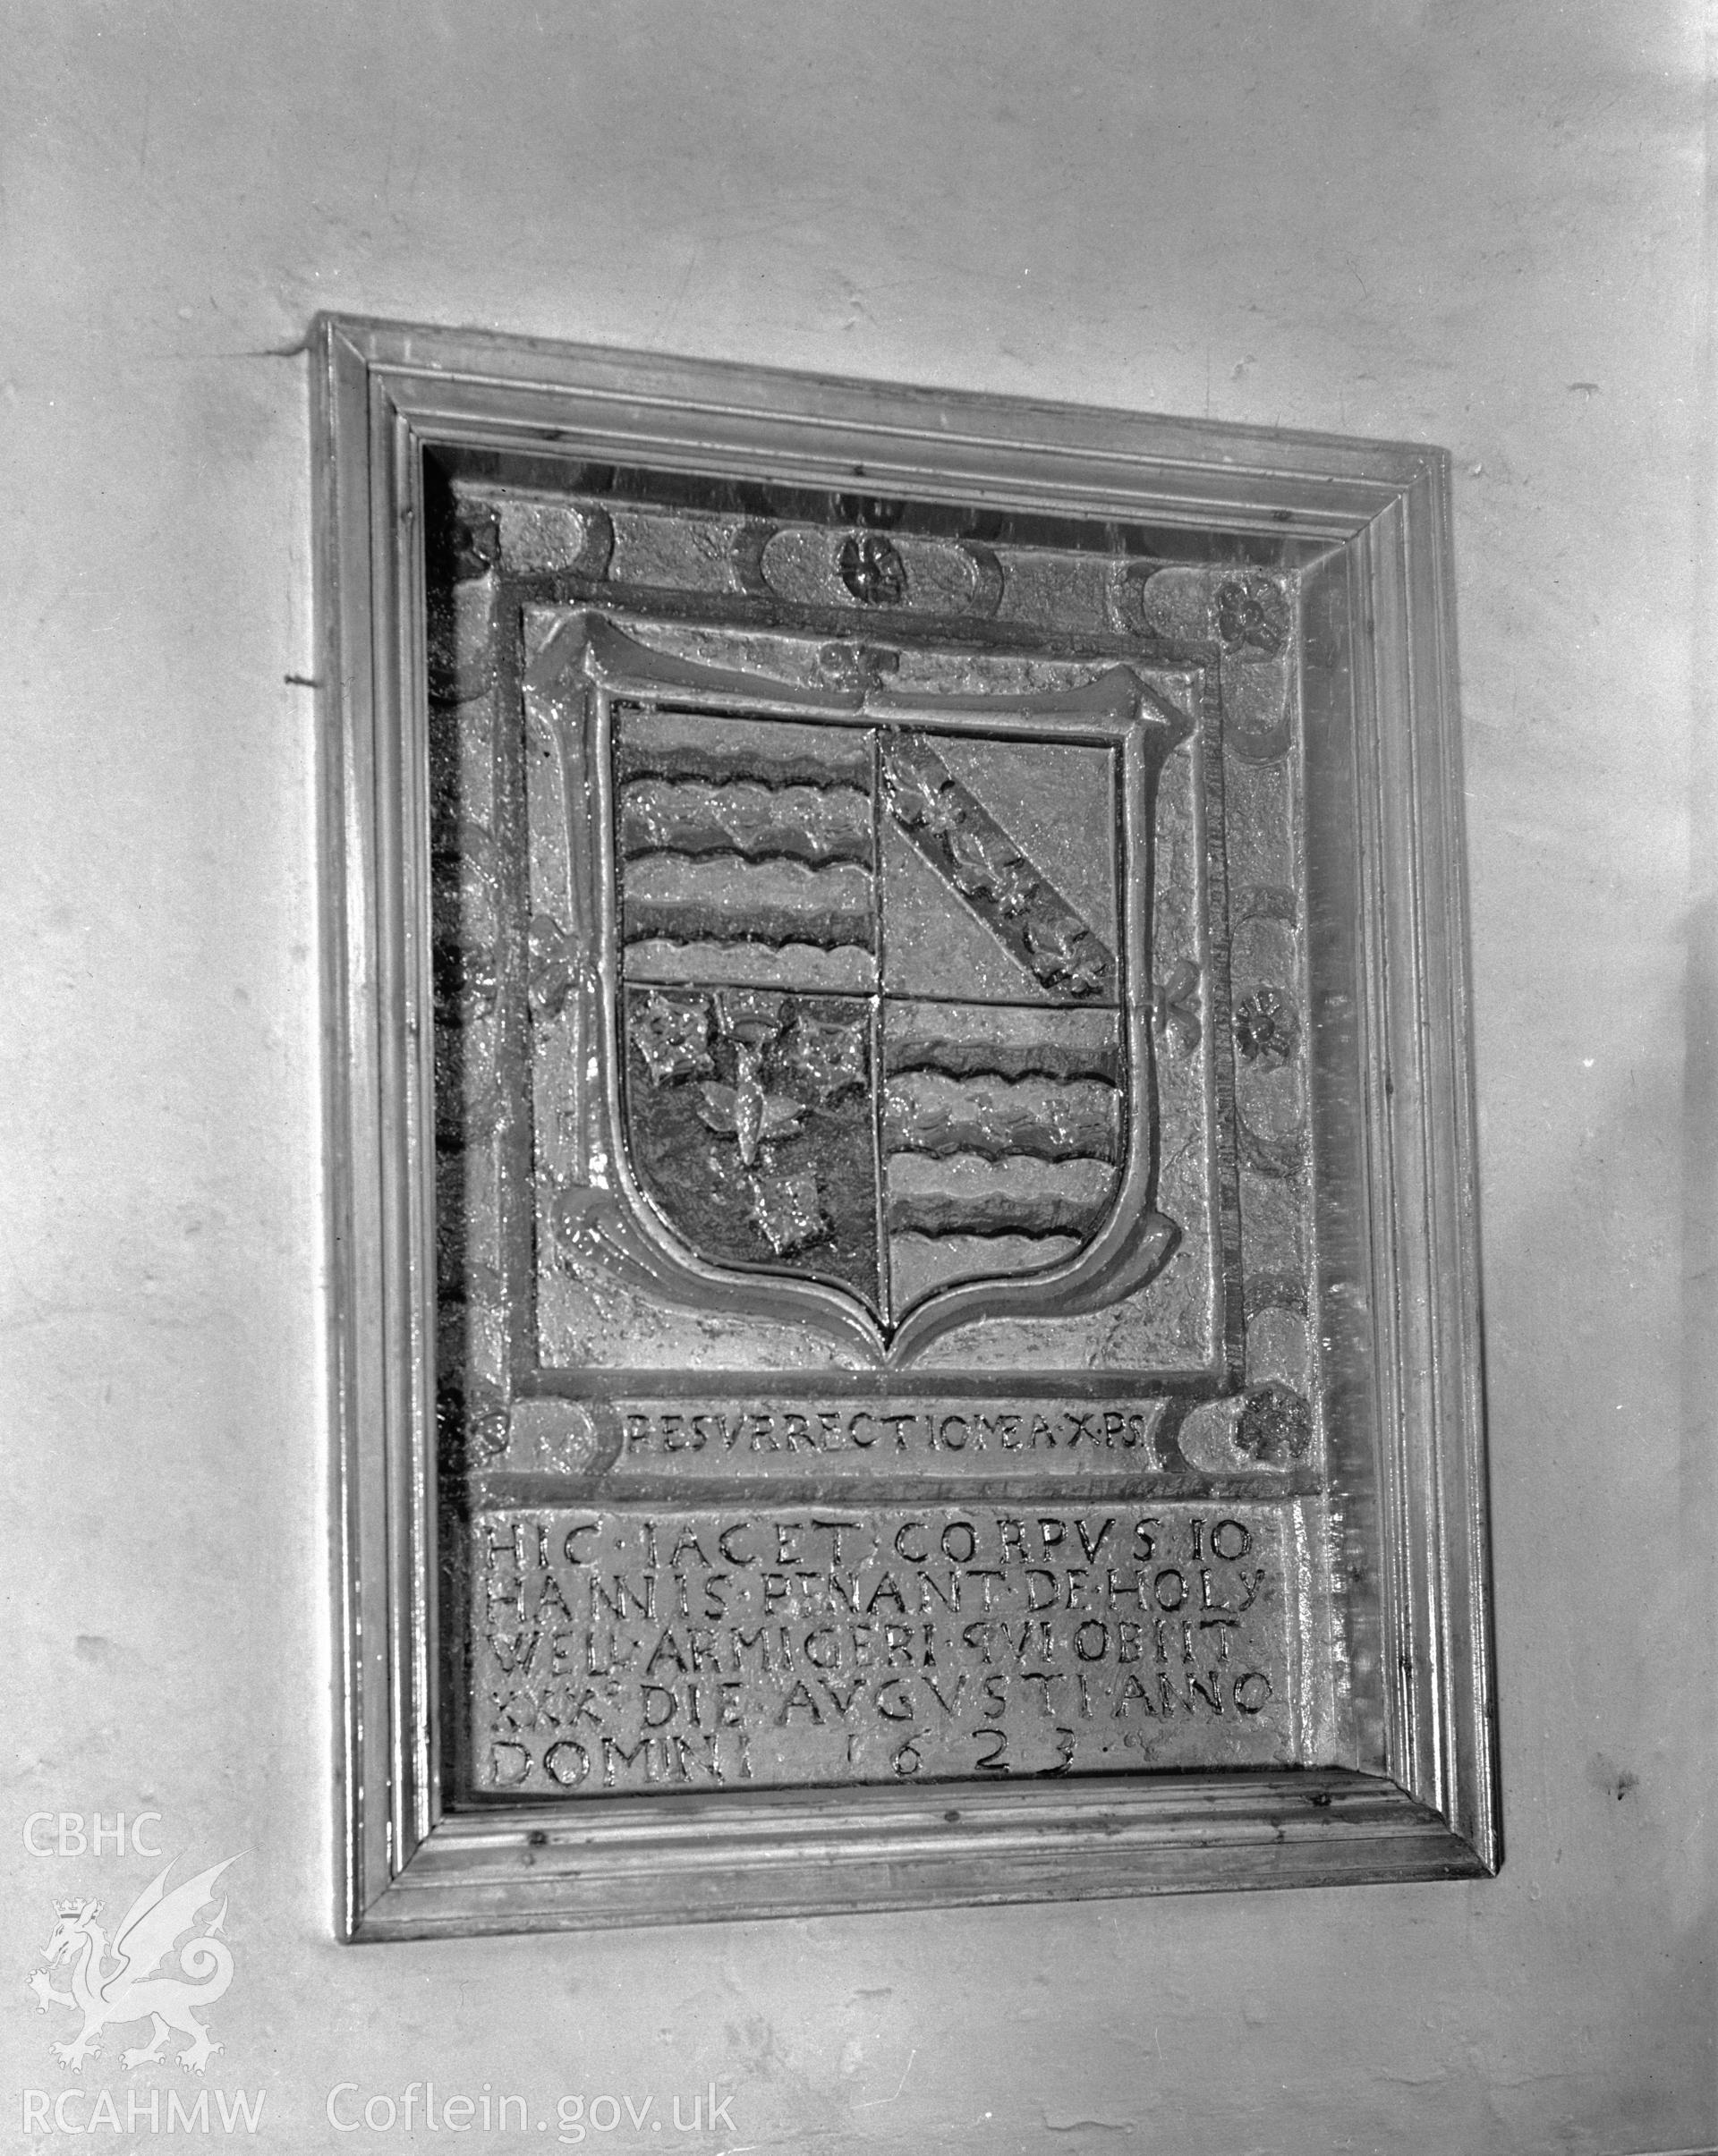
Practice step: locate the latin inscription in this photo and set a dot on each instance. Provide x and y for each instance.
(892, 1430)
(616, 1650)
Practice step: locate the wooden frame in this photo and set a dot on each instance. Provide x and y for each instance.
(1365, 525)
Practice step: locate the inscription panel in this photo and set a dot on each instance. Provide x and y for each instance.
(615, 1651)
(1164, 1443)
(877, 1290)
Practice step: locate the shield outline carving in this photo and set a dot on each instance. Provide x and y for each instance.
(586, 669)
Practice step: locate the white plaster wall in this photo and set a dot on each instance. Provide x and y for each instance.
(1476, 222)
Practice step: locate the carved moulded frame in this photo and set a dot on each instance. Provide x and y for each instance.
(1367, 526)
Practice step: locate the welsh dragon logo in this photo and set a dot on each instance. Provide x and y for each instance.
(131, 1990)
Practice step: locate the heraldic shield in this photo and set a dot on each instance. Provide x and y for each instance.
(878, 990)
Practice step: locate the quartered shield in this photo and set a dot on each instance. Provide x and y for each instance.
(876, 984)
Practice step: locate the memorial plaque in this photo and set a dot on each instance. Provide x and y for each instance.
(918, 1249)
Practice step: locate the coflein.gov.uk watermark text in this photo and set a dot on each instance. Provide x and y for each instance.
(420, 2109)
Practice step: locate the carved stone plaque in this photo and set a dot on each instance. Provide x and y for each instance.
(900, 1162)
